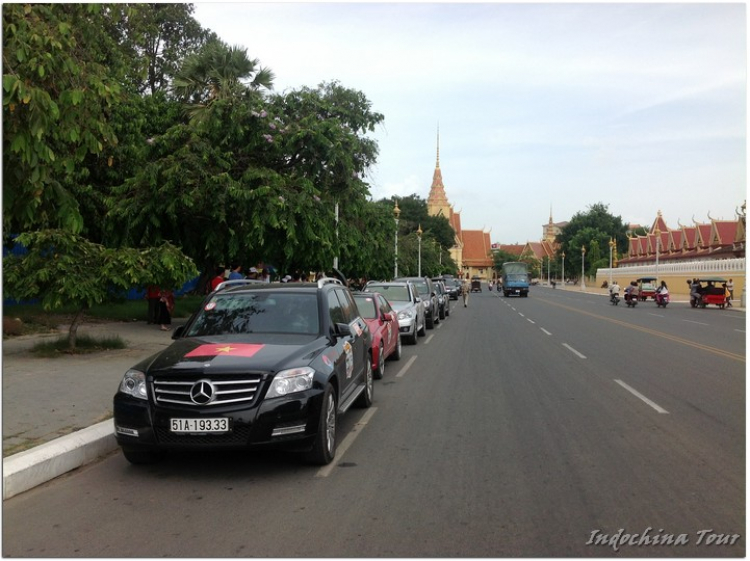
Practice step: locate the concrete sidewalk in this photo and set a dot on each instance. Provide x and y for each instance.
(57, 412)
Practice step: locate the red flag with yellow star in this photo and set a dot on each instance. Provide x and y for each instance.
(224, 349)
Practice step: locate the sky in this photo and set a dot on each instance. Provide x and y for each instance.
(540, 108)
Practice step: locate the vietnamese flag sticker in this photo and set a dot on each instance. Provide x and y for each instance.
(225, 349)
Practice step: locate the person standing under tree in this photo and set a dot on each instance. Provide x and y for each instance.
(152, 297)
(166, 307)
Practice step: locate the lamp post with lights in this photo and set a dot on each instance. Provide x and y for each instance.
(396, 214)
(583, 267)
(419, 251)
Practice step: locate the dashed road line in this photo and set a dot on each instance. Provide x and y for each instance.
(545, 331)
(406, 366)
(698, 322)
(643, 398)
(575, 352)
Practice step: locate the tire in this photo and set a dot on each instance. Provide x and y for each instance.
(430, 322)
(396, 355)
(378, 373)
(442, 313)
(422, 332)
(365, 398)
(324, 446)
(140, 457)
(447, 309)
(413, 338)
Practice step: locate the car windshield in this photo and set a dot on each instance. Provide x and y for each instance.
(366, 306)
(391, 293)
(257, 312)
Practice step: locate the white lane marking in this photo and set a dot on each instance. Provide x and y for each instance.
(643, 398)
(657, 315)
(530, 321)
(740, 330)
(547, 332)
(698, 322)
(571, 349)
(520, 314)
(429, 338)
(406, 366)
(325, 471)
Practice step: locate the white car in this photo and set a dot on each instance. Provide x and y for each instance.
(404, 299)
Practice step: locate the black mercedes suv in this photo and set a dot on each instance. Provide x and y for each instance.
(257, 366)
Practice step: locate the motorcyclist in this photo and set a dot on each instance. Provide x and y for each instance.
(614, 291)
(662, 292)
(631, 292)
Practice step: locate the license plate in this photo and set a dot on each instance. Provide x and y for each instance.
(220, 424)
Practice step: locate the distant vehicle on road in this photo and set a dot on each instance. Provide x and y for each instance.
(515, 278)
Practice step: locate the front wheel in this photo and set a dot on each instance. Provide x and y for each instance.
(365, 398)
(324, 447)
(378, 374)
(397, 352)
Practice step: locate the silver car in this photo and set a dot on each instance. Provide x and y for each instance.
(405, 300)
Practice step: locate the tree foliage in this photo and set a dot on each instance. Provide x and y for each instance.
(64, 268)
(591, 230)
(59, 81)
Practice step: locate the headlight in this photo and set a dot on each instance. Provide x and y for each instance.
(134, 383)
(291, 381)
(405, 314)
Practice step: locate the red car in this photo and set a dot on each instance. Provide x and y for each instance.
(383, 323)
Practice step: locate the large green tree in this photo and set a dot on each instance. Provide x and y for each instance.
(591, 230)
(60, 80)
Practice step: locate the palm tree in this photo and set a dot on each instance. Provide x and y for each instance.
(218, 72)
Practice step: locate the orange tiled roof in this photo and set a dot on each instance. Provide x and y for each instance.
(476, 252)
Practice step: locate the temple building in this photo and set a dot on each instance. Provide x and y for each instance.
(471, 249)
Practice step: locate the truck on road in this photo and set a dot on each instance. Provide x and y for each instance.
(515, 278)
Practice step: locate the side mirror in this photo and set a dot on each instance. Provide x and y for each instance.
(343, 330)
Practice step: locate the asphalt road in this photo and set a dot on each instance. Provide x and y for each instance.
(554, 425)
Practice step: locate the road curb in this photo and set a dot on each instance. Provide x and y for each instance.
(30, 468)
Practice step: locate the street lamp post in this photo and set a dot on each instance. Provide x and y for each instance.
(396, 214)
(549, 269)
(658, 243)
(419, 251)
(611, 247)
(583, 267)
(563, 268)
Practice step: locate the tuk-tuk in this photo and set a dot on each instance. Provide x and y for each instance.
(476, 284)
(710, 291)
(646, 287)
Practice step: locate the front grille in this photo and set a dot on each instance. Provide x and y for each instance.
(223, 390)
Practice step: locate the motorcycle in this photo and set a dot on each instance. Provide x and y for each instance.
(631, 300)
(661, 300)
(614, 298)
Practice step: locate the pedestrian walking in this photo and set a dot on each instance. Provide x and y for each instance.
(730, 287)
(166, 307)
(727, 295)
(465, 291)
(152, 297)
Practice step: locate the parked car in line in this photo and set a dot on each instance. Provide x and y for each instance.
(429, 298)
(454, 287)
(404, 298)
(257, 366)
(383, 323)
(444, 308)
